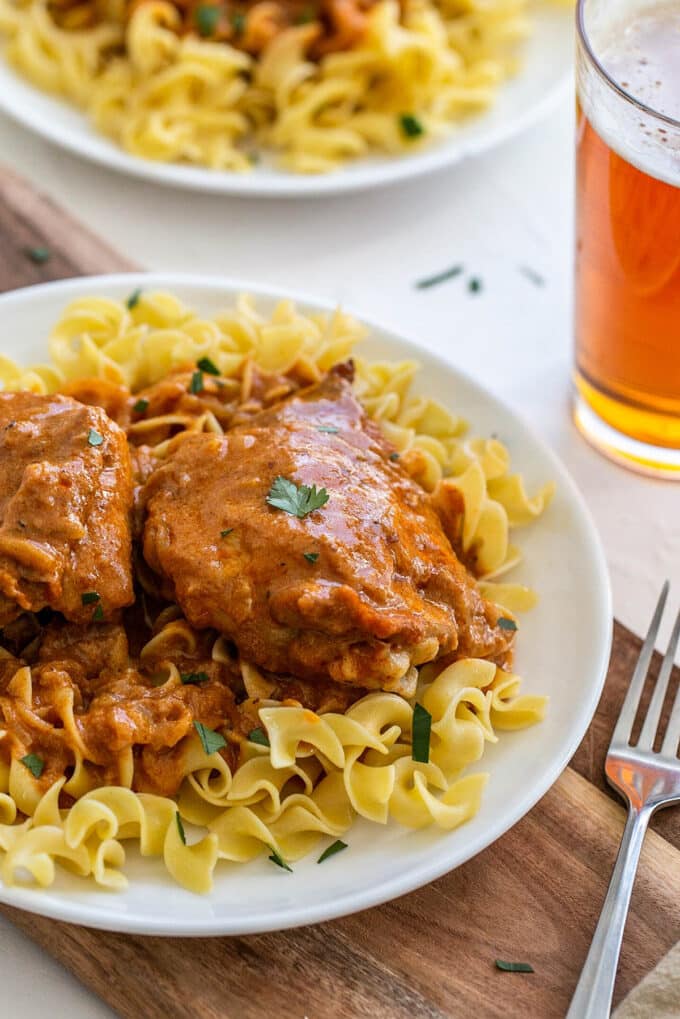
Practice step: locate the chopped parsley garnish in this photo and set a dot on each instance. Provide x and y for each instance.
(422, 724)
(141, 405)
(311, 557)
(507, 624)
(208, 366)
(38, 255)
(411, 126)
(34, 764)
(331, 429)
(133, 299)
(259, 736)
(331, 850)
(238, 22)
(89, 598)
(196, 384)
(94, 438)
(98, 614)
(226, 531)
(206, 17)
(440, 277)
(299, 501)
(532, 275)
(514, 967)
(394, 456)
(279, 860)
(211, 741)
(180, 829)
(195, 678)
(474, 285)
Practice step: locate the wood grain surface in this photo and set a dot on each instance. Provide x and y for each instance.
(533, 896)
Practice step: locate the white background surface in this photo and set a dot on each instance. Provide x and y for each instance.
(507, 209)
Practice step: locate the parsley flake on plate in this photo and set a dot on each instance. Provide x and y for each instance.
(196, 384)
(207, 366)
(259, 736)
(193, 678)
(422, 724)
(296, 500)
(98, 613)
(211, 741)
(331, 850)
(411, 127)
(507, 624)
(180, 828)
(440, 277)
(34, 764)
(311, 557)
(89, 598)
(94, 438)
(330, 429)
(133, 299)
(279, 860)
(226, 531)
(141, 405)
(206, 17)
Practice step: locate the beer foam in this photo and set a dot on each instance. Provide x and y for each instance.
(638, 46)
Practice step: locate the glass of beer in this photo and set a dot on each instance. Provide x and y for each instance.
(627, 307)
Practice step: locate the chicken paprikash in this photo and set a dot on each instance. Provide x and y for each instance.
(280, 551)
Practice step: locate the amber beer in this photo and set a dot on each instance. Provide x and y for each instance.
(627, 311)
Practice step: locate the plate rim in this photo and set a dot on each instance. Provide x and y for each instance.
(393, 170)
(72, 911)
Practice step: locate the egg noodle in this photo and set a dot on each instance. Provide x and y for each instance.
(307, 776)
(419, 67)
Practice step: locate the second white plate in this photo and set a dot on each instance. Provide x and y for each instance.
(545, 76)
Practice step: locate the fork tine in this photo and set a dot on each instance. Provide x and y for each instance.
(630, 705)
(648, 733)
(669, 747)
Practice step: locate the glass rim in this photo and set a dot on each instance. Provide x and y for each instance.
(607, 78)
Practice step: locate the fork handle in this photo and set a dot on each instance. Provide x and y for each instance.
(593, 996)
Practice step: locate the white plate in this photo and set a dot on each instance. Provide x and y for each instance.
(545, 76)
(563, 651)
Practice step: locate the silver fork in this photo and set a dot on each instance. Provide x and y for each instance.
(647, 780)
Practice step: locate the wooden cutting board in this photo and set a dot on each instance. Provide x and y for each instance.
(533, 896)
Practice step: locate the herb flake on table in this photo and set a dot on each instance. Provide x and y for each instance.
(514, 967)
(410, 126)
(279, 860)
(440, 277)
(507, 624)
(298, 500)
(211, 741)
(180, 828)
(311, 557)
(532, 275)
(206, 17)
(94, 438)
(207, 366)
(34, 764)
(258, 736)
(331, 850)
(98, 614)
(141, 405)
(193, 678)
(475, 285)
(133, 299)
(394, 456)
(196, 385)
(422, 726)
(89, 598)
(38, 255)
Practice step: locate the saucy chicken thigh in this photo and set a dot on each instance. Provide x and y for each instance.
(65, 497)
(353, 580)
